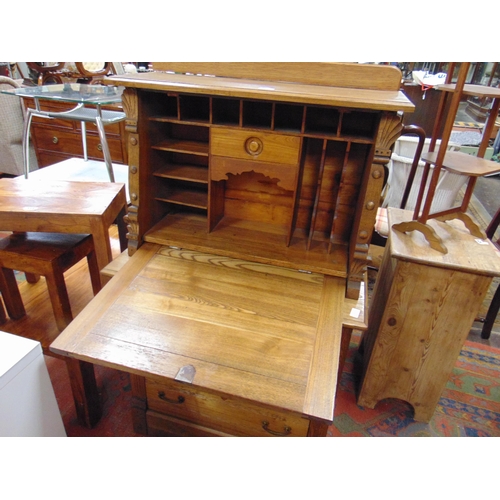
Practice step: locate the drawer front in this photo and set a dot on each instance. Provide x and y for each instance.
(53, 123)
(226, 414)
(69, 143)
(250, 145)
(110, 130)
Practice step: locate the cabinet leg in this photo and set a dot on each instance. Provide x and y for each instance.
(317, 429)
(344, 348)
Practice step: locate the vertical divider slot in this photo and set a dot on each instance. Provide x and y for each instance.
(312, 227)
(331, 239)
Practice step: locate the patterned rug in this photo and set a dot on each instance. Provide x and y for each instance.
(469, 405)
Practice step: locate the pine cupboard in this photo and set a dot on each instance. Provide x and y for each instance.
(253, 199)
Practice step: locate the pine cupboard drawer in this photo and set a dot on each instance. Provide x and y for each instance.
(70, 143)
(225, 414)
(252, 145)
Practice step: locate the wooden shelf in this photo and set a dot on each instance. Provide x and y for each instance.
(464, 164)
(189, 198)
(183, 146)
(190, 173)
(473, 90)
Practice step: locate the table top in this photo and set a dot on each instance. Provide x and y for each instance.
(50, 197)
(255, 331)
(71, 92)
(387, 100)
(466, 252)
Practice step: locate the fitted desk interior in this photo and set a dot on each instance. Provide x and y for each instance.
(253, 198)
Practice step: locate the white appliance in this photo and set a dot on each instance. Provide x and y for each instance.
(28, 406)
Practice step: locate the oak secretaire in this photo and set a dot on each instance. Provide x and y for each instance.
(254, 189)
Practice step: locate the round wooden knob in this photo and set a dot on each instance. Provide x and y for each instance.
(253, 146)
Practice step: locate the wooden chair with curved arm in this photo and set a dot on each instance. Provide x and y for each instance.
(492, 313)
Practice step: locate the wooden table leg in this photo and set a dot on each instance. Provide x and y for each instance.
(102, 245)
(85, 392)
(10, 293)
(122, 229)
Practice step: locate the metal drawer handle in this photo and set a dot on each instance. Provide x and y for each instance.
(177, 401)
(55, 140)
(286, 430)
(99, 147)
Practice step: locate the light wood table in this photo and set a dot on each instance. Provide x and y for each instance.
(424, 304)
(65, 207)
(219, 346)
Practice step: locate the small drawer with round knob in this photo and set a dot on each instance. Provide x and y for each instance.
(253, 145)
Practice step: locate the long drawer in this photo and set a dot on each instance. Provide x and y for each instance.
(70, 143)
(221, 413)
(253, 145)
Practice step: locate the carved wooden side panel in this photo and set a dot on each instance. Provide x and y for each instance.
(390, 129)
(131, 108)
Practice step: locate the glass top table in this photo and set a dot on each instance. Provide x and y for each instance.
(72, 92)
(81, 95)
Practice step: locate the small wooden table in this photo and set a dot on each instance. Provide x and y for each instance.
(423, 307)
(65, 207)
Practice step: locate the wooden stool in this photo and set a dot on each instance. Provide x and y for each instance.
(49, 255)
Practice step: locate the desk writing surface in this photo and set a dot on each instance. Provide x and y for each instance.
(259, 332)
